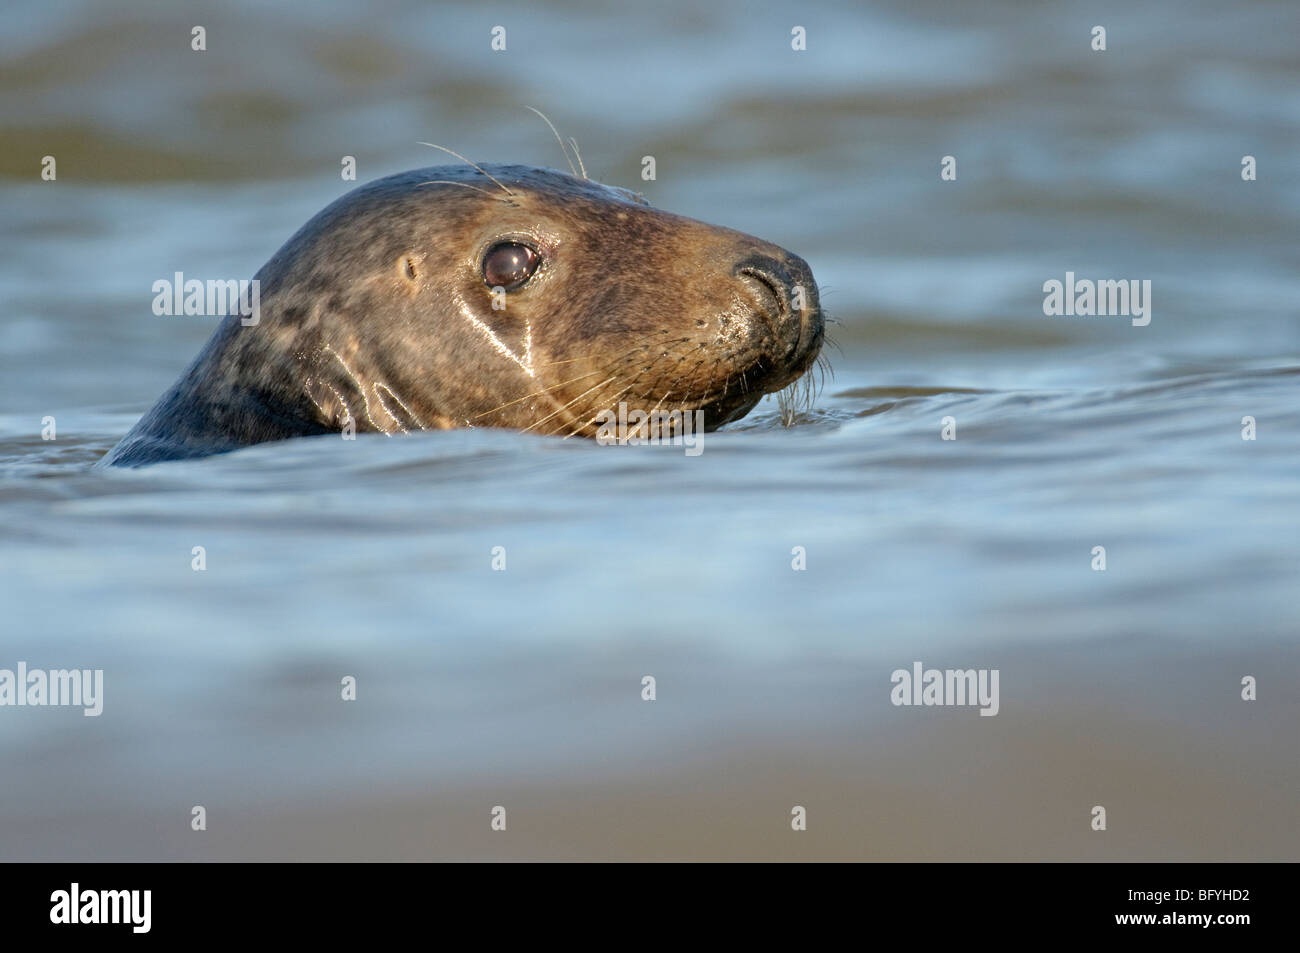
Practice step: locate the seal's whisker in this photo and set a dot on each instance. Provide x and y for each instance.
(581, 167)
(824, 367)
(569, 404)
(601, 400)
(591, 405)
(585, 423)
(465, 185)
(797, 396)
(563, 148)
(536, 393)
(434, 145)
(569, 360)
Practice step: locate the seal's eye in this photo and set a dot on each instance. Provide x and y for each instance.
(509, 264)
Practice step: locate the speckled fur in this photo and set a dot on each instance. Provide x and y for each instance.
(376, 312)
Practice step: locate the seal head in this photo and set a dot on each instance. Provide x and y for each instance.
(493, 296)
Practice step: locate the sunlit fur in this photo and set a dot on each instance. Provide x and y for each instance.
(375, 316)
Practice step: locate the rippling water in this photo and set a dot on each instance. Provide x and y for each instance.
(523, 687)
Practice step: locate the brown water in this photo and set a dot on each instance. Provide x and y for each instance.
(522, 688)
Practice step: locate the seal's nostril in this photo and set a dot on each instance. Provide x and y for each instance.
(770, 283)
(769, 279)
(769, 296)
(786, 298)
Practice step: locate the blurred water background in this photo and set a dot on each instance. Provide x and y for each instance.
(523, 688)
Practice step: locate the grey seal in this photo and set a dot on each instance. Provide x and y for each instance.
(491, 296)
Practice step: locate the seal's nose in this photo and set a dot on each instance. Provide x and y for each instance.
(786, 293)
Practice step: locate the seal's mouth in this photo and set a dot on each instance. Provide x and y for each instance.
(741, 393)
(720, 406)
(781, 356)
(765, 340)
(791, 347)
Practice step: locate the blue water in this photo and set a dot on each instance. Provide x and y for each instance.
(373, 558)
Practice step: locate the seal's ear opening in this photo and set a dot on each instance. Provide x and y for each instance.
(406, 267)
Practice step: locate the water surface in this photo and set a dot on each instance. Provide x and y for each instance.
(372, 558)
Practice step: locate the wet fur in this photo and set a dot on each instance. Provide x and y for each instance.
(367, 315)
